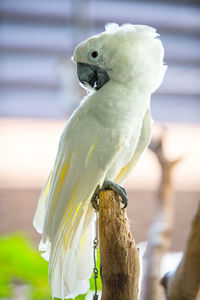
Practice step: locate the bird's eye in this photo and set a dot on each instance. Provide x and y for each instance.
(95, 54)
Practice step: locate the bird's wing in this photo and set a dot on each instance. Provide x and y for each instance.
(144, 141)
(85, 153)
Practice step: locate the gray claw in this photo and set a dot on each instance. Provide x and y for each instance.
(108, 184)
(95, 197)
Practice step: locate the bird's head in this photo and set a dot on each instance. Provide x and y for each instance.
(128, 54)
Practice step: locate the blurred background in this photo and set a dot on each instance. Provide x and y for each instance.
(39, 90)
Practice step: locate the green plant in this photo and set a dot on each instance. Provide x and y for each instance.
(20, 262)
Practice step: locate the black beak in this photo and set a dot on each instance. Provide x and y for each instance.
(92, 75)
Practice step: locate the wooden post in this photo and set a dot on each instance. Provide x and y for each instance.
(118, 254)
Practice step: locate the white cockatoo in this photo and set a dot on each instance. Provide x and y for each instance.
(103, 140)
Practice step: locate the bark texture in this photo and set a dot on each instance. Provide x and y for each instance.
(184, 283)
(118, 253)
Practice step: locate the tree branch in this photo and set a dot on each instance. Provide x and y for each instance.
(160, 231)
(184, 283)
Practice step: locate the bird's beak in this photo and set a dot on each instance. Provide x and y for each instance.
(92, 75)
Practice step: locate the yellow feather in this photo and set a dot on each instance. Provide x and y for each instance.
(83, 239)
(121, 173)
(91, 150)
(62, 176)
(77, 210)
(46, 190)
(70, 206)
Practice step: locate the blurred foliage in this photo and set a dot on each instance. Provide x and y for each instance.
(21, 263)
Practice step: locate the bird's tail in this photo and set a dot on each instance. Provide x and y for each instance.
(72, 261)
(70, 252)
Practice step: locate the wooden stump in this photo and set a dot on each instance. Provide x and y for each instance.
(118, 254)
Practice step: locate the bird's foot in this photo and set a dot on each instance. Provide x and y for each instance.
(119, 190)
(95, 198)
(109, 185)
